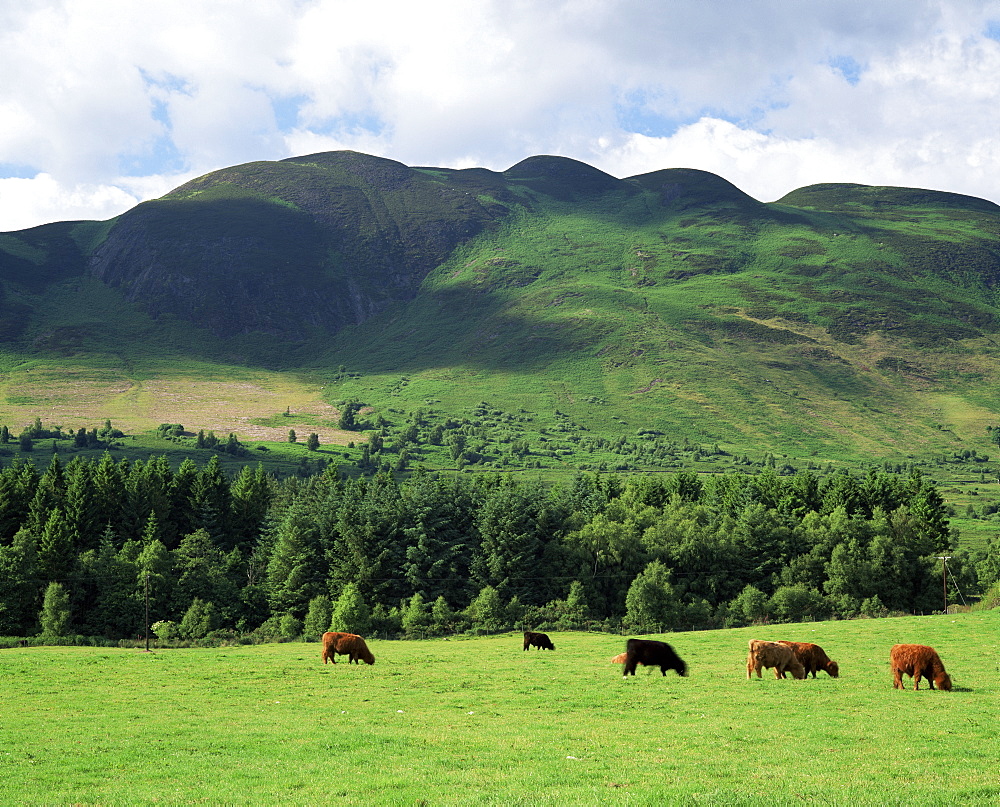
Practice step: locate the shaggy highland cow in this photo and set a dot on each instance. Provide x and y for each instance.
(813, 658)
(346, 644)
(651, 653)
(918, 661)
(539, 640)
(773, 654)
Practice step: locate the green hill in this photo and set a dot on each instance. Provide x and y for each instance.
(840, 321)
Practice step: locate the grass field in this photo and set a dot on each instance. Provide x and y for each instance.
(478, 721)
(251, 403)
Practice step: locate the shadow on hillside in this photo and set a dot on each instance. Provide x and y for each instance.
(461, 327)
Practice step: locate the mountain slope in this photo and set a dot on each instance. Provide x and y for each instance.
(840, 316)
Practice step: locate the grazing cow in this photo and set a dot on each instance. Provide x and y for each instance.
(813, 658)
(918, 660)
(651, 653)
(539, 640)
(346, 644)
(330, 639)
(620, 658)
(773, 654)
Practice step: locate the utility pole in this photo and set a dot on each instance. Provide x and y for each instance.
(146, 578)
(944, 577)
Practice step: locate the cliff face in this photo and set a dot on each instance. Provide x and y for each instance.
(209, 263)
(293, 248)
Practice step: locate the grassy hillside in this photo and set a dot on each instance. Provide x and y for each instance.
(479, 721)
(561, 308)
(742, 324)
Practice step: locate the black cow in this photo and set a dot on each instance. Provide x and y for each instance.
(539, 640)
(651, 653)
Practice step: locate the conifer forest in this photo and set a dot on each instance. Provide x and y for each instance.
(94, 548)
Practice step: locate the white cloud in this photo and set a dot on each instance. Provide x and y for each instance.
(27, 202)
(102, 98)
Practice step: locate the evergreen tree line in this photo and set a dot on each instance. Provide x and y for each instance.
(439, 553)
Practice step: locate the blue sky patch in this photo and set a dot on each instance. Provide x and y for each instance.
(161, 157)
(848, 67)
(636, 113)
(17, 171)
(286, 110)
(353, 123)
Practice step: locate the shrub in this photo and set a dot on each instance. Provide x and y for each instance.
(200, 618)
(289, 627)
(166, 630)
(55, 612)
(795, 603)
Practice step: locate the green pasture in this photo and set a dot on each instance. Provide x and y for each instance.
(479, 721)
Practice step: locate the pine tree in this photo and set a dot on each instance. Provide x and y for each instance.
(20, 589)
(56, 553)
(369, 540)
(212, 502)
(17, 489)
(296, 569)
(251, 496)
(81, 507)
(440, 538)
(108, 603)
(108, 489)
(183, 508)
(203, 572)
(510, 542)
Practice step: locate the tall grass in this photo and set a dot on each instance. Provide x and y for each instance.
(479, 721)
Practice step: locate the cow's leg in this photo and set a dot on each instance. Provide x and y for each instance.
(929, 675)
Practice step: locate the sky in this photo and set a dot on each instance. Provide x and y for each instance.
(107, 103)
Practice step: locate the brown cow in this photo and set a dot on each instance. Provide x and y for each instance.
(813, 658)
(346, 644)
(918, 660)
(330, 639)
(773, 654)
(539, 640)
(620, 658)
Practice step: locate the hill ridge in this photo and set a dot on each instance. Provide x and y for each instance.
(855, 302)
